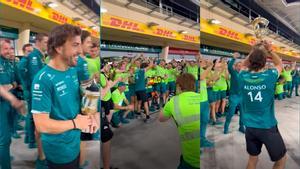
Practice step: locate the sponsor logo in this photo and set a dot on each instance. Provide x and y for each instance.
(115, 22)
(228, 33)
(36, 86)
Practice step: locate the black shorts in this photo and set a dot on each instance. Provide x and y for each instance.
(106, 133)
(86, 136)
(71, 165)
(141, 96)
(107, 106)
(271, 138)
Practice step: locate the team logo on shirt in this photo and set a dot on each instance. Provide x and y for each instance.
(36, 87)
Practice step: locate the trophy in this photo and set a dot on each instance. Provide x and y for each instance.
(260, 27)
(90, 99)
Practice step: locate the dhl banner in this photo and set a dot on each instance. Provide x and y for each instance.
(35, 8)
(228, 33)
(117, 22)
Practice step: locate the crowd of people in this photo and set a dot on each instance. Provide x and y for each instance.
(54, 74)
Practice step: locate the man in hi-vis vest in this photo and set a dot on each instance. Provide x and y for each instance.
(184, 108)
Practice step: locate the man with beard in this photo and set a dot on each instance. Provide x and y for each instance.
(56, 100)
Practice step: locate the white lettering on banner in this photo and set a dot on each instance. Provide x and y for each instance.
(259, 87)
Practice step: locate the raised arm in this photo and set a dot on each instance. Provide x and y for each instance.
(205, 73)
(275, 58)
(232, 61)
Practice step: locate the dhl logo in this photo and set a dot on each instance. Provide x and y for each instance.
(228, 33)
(124, 24)
(165, 33)
(25, 4)
(189, 38)
(59, 18)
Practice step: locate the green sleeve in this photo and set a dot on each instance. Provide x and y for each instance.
(102, 80)
(167, 112)
(114, 97)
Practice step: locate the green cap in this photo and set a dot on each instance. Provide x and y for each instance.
(121, 84)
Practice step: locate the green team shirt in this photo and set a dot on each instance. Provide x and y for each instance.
(93, 65)
(124, 77)
(118, 97)
(103, 82)
(29, 66)
(7, 76)
(57, 93)
(172, 73)
(149, 74)
(279, 88)
(287, 74)
(82, 69)
(161, 72)
(220, 84)
(234, 80)
(140, 80)
(193, 70)
(189, 106)
(203, 89)
(257, 90)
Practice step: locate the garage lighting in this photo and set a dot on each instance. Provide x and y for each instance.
(151, 24)
(37, 10)
(182, 32)
(93, 27)
(51, 5)
(103, 10)
(214, 21)
(248, 35)
(77, 19)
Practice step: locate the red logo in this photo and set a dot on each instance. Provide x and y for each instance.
(189, 38)
(164, 33)
(124, 24)
(58, 17)
(228, 33)
(25, 4)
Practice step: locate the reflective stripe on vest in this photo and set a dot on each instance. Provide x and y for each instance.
(190, 135)
(180, 120)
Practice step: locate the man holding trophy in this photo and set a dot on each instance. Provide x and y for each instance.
(56, 101)
(257, 90)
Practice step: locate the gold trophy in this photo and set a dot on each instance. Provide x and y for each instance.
(90, 99)
(260, 27)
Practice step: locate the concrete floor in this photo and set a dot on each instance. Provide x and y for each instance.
(154, 145)
(230, 150)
